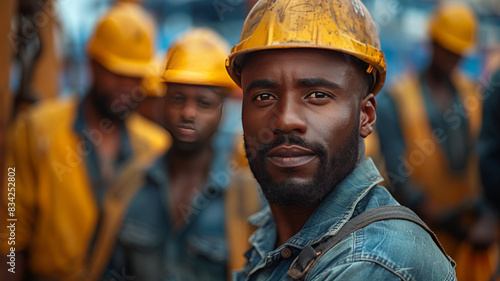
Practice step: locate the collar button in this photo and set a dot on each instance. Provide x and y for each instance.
(286, 253)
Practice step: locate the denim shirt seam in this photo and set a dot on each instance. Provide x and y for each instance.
(349, 212)
(378, 260)
(358, 242)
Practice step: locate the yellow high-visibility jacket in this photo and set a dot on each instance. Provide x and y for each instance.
(430, 169)
(55, 205)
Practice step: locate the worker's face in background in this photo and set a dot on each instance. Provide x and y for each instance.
(114, 94)
(192, 114)
(301, 121)
(445, 60)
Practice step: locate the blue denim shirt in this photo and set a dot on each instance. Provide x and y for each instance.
(155, 249)
(385, 250)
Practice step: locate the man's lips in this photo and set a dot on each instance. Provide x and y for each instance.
(185, 126)
(290, 156)
(186, 129)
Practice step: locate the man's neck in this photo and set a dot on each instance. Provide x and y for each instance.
(109, 130)
(439, 84)
(188, 171)
(434, 75)
(290, 220)
(190, 161)
(94, 118)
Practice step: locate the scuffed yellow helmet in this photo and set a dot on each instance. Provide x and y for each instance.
(339, 25)
(123, 41)
(197, 58)
(454, 27)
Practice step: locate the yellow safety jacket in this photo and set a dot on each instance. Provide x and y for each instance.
(242, 199)
(427, 164)
(56, 209)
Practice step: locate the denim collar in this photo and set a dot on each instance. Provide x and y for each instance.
(335, 210)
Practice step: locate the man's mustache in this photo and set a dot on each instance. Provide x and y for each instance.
(317, 148)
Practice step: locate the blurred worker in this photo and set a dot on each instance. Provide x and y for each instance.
(428, 125)
(489, 150)
(489, 142)
(310, 71)
(78, 163)
(189, 221)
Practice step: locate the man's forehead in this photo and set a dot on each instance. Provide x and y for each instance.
(295, 60)
(304, 66)
(197, 90)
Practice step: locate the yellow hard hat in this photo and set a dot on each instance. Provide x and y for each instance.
(198, 58)
(454, 27)
(123, 41)
(152, 83)
(339, 25)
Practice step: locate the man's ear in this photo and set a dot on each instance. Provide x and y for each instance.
(367, 115)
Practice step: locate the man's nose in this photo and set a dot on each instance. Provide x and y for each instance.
(188, 112)
(289, 117)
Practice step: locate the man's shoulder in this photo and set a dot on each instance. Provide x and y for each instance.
(393, 248)
(51, 111)
(47, 118)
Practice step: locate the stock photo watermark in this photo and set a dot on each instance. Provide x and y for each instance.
(11, 219)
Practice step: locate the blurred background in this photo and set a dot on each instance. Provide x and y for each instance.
(46, 40)
(43, 51)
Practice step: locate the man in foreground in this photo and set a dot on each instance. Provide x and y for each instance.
(310, 71)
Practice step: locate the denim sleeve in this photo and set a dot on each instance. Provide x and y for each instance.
(392, 146)
(489, 141)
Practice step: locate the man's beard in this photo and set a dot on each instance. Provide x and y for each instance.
(104, 104)
(310, 193)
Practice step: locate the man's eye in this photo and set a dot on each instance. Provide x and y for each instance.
(176, 99)
(264, 97)
(317, 95)
(204, 103)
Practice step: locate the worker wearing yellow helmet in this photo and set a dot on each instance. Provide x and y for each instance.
(428, 125)
(72, 158)
(310, 71)
(193, 208)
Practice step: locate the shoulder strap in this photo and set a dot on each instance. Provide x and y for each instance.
(311, 254)
(116, 202)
